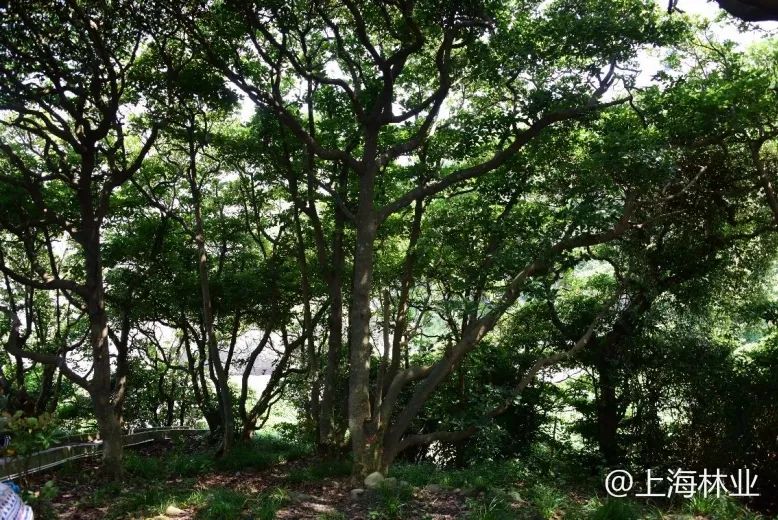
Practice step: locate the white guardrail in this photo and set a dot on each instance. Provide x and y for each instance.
(80, 446)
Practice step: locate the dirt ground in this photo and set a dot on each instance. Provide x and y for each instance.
(308, 500)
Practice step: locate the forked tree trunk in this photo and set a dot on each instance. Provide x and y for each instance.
(222, 376)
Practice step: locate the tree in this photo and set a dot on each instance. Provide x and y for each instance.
(66, 147)
(392, 96)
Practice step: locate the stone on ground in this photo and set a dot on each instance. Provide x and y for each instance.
(373, 480)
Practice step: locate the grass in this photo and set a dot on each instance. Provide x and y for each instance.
(212, 504)
(174, 465)
(479, 477)
(546, 499)
(319, 471)
(142, 492)
(498, 490)
(221, 503)
(723, 508)
(492, 508)
(392, 501)
(616, 510)
(263, 452)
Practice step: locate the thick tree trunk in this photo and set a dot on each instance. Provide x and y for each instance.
(46, 390)
(328, 428)
(100, 388)
(110, 430)
(608, 416)
(366, 447)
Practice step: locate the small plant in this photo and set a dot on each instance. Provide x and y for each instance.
(546, 500)
(143, 467)
(721, 508)
(28, 434)
(492, 509)
(41, 500)
(391, 501)
(268, 504)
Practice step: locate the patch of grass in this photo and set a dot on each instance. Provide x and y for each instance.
(480, 477)
(332, 515)
(175, 464)
(148, 500)
(274, 443)
(267, 504)
(247, 456)
(720, 508)
(493, 508)
(391, 502)
(144, 467)
(188, 464)
(103, 494)
(262, 452)
(222, 503)
(619, 509)
(319, 471)
(546, 499)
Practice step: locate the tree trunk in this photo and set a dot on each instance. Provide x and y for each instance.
(367, 449)
(100, 389)
(222, 377)
(608, 417)
(328, 428)
(111, 434)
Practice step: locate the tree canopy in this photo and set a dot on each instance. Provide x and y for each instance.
(409, 218)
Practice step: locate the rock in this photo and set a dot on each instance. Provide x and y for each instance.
(433, 488)
(457, 491)
(357, 493)
(514, 496)
(373, 480)
(173, 511)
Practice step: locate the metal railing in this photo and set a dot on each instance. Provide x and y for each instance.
(80, 446)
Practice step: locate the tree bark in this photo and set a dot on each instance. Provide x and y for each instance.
(366, 448)
(607, 404)
(108, 422)
(222, 377)
(328, 428)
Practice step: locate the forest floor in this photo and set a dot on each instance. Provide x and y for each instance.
(273, 479)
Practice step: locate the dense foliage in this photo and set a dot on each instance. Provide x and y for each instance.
(439, 233)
